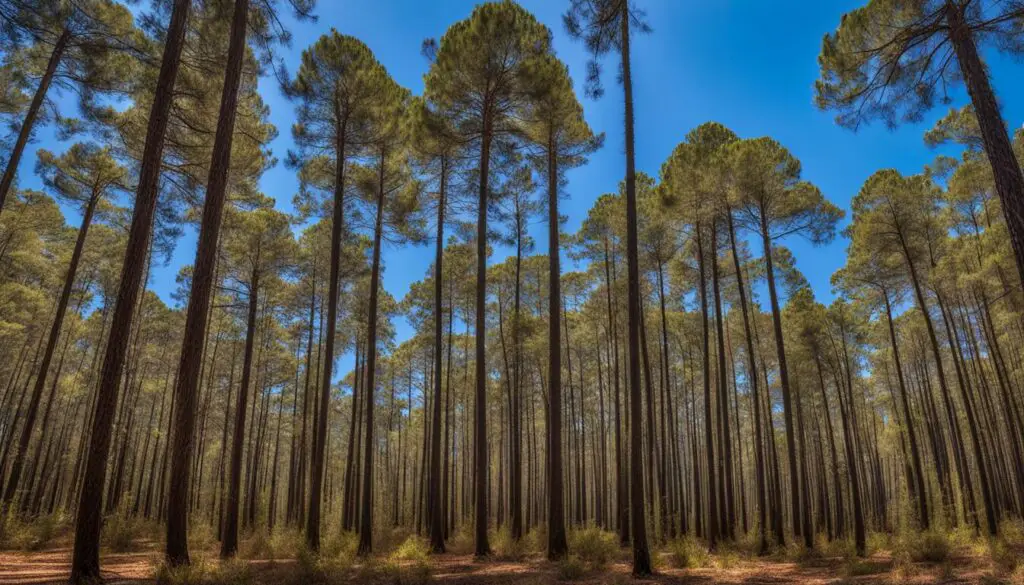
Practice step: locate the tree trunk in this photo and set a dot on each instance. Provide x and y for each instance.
(199, 300)
(1006, 171)
(641, 553)
(51, 344)
(481, 545)
(30, 116)
(751, 377)
(320, 434)
(229, 543)
(434, 497)
(85, 565)
(794, 484)
(558, 546)
(366, 517)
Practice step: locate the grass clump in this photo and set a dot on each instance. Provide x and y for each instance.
(855, 567)
(461, 541)
(507, 548)
(390, 571)
(413, 548)
(1004, 556)
(339, 547)
(688, 553)
(30, 535)
(232, 572)
(313, 569)
(120, 533)
(571, 568)
(593, 546)
(927, 547)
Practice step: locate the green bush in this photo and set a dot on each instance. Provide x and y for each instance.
(120, 534)
(571, 568)
(30, 535)
(413, 549)
(233, 572)
(593, 546)
(313, 569)
(394, 573)
(202, 538)
(928, 547)
(688, 553)
(859, 567)
(507, 548)
(1003, 555)
(340, 546)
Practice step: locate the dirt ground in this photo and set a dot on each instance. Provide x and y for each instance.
(51, 566)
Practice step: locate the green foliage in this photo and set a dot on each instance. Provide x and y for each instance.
(34, 534)
(122, 533)
(322, 569)
(571, 568)
(203, 572)
(689, 553)
(594, 546)
(413, 548)
(506, 548)
(923, 547)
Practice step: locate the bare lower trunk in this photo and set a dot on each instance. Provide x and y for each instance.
(85, 564)
(191, 357)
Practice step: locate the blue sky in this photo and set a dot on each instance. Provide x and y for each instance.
(748, 64)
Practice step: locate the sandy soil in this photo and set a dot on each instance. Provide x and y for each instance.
(51, 566)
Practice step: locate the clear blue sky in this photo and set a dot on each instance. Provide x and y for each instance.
(747, 64)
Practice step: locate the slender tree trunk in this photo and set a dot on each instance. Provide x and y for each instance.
(641, 553)
(229, 543)
(794, 484)
(752, 379)
(558, 546)
(7, 180)
(918, 479)
(1006, 171)
(366, 517)
(51, 344)
(320, 433)
(711, 525)
(482, 547)
(85, 565)
(434, 497)
(199, 300)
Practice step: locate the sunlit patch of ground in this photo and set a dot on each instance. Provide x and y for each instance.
(52, 566)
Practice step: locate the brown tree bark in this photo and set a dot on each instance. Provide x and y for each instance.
(7, 180)
(85, 565)
(191, 357)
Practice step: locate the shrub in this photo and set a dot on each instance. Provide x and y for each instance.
(120, 533)
(859, 567)
(30, 535)
(461, 541)
(413, 549)
(202, 538)
(312, 569)
(415, 573)
(593, 546)
(340, 546)
(688, 553)
(507, 548)
(930, 546)
(233, 572)
(570, 568)
(1003, 556)
(286, 543)
(256, 545)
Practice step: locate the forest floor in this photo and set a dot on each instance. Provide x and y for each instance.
(52, 566)
(408, 564)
